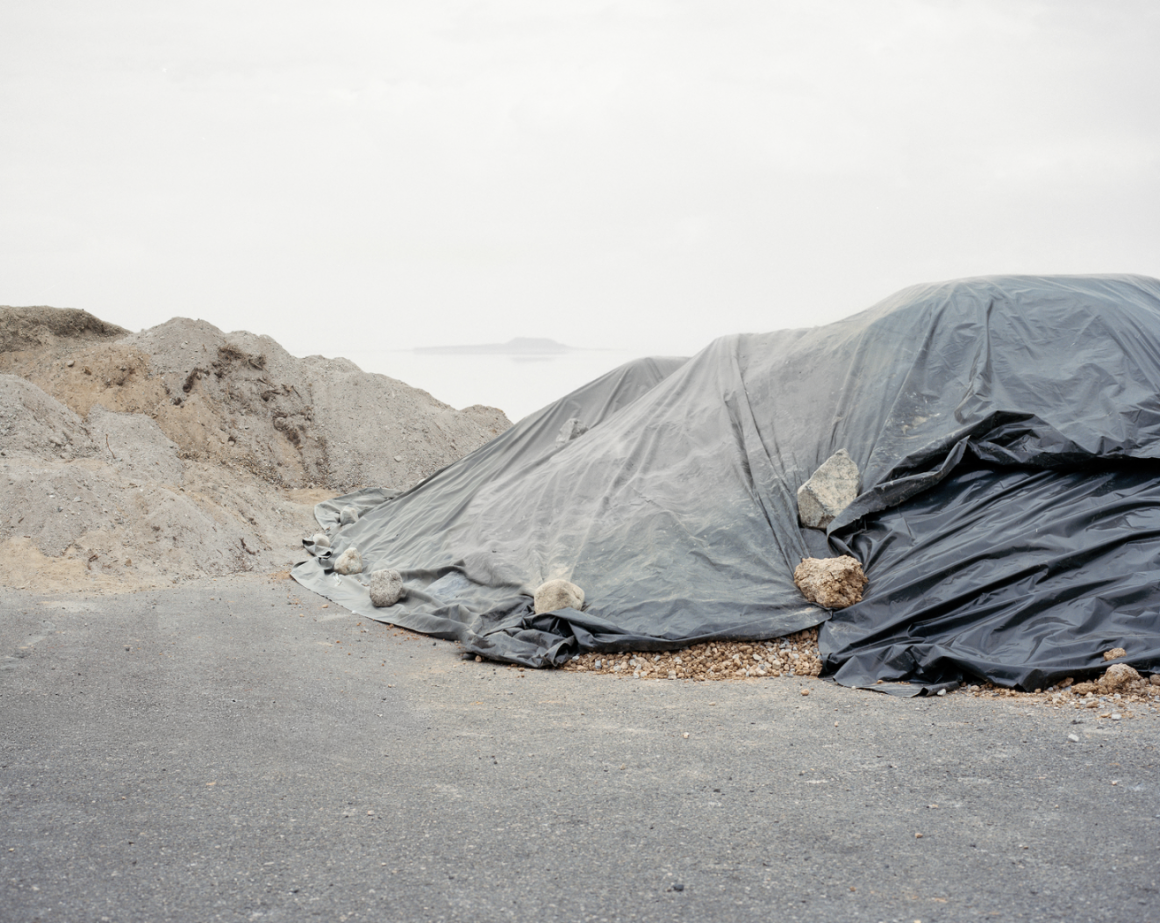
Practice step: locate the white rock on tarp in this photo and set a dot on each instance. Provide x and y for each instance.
(386, 587)
(572, 429)
(558, 594)
(321, 540)
(349, 562)
(348, 516)
(833, 583)
(829, 490)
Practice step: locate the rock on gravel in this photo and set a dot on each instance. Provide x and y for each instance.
(829, 490)
(558, 594)
(349, 562)
(1118, 676)
(386, 587)
(832, 583)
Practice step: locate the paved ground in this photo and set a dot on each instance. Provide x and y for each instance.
(235, 751)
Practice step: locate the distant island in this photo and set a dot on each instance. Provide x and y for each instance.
(520, 346)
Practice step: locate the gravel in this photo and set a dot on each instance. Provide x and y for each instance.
(797, 656)
(794, 655)
(1140, 699)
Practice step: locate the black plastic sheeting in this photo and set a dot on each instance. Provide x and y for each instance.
(1007, 431)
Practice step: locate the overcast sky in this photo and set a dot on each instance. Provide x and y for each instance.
(643, 174)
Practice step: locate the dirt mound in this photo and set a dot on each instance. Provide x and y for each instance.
(39, 326)
(241, 401)
(182, 451)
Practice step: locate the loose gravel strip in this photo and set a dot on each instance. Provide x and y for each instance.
(797, 655)
(1140, 700)
(793, 655)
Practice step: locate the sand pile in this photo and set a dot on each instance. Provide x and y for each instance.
(182, 451)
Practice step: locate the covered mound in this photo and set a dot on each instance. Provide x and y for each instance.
(1006, 430)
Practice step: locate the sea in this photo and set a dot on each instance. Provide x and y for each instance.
(516, 384)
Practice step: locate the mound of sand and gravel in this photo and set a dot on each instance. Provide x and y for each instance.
(133, 459)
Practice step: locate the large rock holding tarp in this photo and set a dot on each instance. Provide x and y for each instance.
(386, 587)
(554, 595)
(830, 489)
(572, 429)
(833, 583)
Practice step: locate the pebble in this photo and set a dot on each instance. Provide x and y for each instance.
(1074, 738)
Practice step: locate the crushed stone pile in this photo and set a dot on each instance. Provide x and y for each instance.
(793, 655)
(130, 459)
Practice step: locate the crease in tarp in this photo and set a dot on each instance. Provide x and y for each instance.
(1006, 428)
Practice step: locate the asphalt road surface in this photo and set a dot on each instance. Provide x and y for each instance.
(237, 751)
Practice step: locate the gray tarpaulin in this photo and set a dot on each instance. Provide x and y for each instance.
(1007, 430)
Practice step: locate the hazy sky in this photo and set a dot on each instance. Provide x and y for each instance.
(645, 174)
